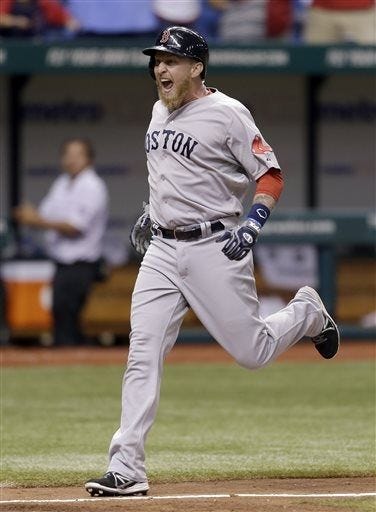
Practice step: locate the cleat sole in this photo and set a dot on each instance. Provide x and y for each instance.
(107, 492)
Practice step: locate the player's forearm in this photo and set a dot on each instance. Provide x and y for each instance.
(268, 190)
(266, 200)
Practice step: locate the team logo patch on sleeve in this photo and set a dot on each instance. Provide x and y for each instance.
(260, 148)
(165, 36)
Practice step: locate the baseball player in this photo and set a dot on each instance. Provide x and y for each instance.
(203, 152)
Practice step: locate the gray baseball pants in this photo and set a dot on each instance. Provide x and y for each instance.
(222, 293)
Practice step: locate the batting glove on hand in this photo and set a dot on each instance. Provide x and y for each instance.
(141, 233)
(240, 240)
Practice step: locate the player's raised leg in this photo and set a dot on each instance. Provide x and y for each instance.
(223, 295)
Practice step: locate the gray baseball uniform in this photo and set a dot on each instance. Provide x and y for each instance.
(201, 158)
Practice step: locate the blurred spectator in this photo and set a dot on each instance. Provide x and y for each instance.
(340, 21)
(25, 18)
(300, 9)
(183, 12)
(247, 21)
(128, 18)
(208, 22)
(279, 19)
(74, 215)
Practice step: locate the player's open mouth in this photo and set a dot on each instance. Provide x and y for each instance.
(166, 84)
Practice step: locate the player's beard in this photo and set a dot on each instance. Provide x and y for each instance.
(177, 98)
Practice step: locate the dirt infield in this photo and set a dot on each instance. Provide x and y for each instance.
(222, 496)
(195, 353)
(253, 495)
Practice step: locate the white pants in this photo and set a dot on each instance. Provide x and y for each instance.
(223, 295)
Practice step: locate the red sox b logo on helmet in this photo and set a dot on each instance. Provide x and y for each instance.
(165, 36)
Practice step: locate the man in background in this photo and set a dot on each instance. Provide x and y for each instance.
(252, 21)
(131, 18)
(30, 18)
(73, 215)
(341, 21)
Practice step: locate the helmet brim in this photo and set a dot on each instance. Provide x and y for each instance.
(151, 51)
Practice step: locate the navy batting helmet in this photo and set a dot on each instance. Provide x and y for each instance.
(180, 41)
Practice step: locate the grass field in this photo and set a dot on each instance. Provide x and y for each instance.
(214, 421)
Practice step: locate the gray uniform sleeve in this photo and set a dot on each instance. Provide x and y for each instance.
(248, 146)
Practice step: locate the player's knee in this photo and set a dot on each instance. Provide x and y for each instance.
(143, 352)
(255, 352)
(142, 360)
(250, 361)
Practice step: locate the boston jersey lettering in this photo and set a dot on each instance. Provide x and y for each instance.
(178, 142)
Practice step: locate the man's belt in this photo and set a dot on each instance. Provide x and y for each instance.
(191, 232)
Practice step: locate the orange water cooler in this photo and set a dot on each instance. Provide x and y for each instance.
(28, 295)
